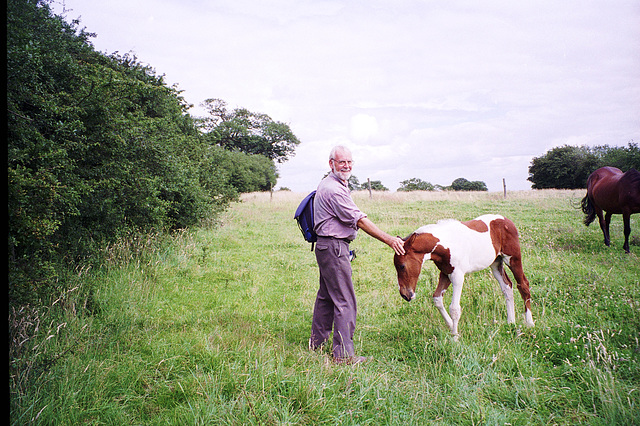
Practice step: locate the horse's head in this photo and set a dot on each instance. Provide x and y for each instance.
(408, 267)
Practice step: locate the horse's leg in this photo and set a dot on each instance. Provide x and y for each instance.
(515, 265)
(457, 279)
(603, 225)
(605, 230)
(506, 286)
(443, 285)
(626, 218)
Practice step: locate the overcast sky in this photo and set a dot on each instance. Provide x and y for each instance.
(426, 89)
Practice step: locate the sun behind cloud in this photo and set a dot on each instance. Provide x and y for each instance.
(363, 127)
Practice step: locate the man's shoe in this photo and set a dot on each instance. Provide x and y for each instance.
(352, 360)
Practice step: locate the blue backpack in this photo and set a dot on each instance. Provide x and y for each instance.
(304, 217)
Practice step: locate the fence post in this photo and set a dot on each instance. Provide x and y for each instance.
(369, 185)
(504, 186)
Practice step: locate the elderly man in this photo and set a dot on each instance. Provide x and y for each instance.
(337, 220)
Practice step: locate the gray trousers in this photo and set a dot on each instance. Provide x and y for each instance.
(335, 307)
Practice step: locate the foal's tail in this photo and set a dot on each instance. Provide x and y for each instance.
(588, 209)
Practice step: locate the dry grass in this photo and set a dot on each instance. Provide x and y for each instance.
(402, 197)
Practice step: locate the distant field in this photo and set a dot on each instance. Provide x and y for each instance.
(211, 327)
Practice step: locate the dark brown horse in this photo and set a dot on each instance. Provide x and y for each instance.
(614, 192)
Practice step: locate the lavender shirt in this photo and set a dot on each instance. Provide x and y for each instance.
(335, 214)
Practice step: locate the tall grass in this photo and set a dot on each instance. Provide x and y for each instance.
(211, 327)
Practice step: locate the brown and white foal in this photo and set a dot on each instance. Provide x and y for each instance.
(458, 248)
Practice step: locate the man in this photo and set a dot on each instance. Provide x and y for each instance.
(337, 220)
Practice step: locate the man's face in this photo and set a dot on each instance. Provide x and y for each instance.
(341, 165)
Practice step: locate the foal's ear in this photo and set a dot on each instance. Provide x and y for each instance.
(409, 240)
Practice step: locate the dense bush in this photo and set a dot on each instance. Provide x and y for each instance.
(99, 148)
(568, 167)
(462, 184)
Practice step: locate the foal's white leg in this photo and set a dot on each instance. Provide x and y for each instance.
(440, 305)
(507, 290)
(443, 285)
(457, 281)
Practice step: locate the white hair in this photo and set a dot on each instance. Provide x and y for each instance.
(335, 149)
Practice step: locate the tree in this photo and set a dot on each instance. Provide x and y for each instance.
(415, 184)
(624, 158)
(248, 132)
(462, 184)
(565, 167)
(354, 183)
(377, 185)
(568, 167)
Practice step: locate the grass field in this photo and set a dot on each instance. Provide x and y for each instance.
(211, 327)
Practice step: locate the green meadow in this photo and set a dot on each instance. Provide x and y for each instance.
(210, 326)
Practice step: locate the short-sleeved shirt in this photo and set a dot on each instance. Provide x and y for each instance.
(335, 214)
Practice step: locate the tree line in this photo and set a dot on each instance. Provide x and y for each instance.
(459, 184)
(415, 184)
(101, 148)
(564, 167)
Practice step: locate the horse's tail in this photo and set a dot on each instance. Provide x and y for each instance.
(588, 209)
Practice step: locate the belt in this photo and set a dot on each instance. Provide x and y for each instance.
(346, 240)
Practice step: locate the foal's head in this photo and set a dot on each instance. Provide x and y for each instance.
(408, 267)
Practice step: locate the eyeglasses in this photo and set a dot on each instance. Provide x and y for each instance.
(342, 163)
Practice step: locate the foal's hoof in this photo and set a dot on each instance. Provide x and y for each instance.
(528, 319)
